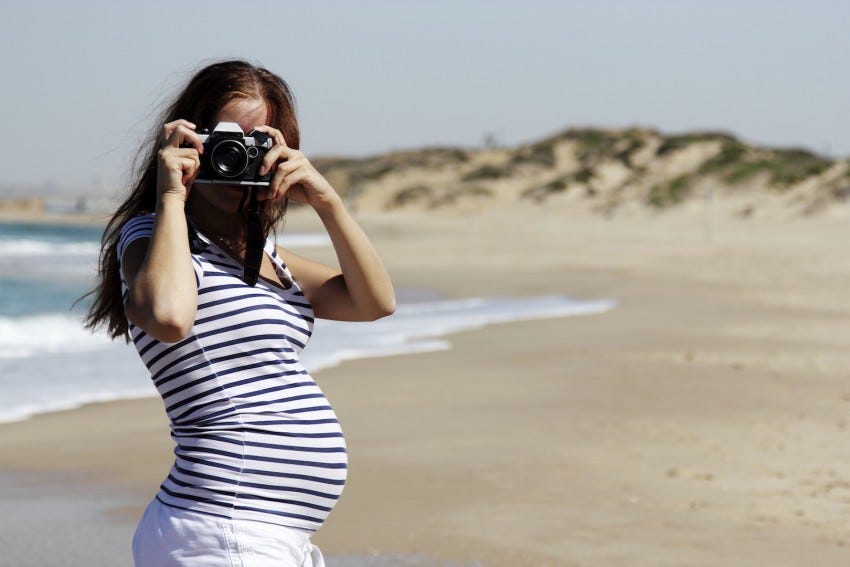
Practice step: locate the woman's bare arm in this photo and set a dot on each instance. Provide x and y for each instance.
(361, 290)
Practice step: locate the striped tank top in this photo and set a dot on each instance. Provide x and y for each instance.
(256, 439)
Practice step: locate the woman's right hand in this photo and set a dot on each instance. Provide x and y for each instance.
(178, 166)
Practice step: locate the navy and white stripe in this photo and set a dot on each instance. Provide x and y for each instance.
(256, 438)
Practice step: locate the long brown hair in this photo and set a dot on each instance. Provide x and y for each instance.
(200, 101)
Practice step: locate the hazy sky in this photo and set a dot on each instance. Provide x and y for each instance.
(82, 80)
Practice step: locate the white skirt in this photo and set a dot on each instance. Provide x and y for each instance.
(171, 537)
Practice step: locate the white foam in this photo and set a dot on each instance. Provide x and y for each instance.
(49, 362)
(50, 333)
(415, 327)
(30, 248)
(22, 412)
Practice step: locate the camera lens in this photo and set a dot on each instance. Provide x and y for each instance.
(229, 158)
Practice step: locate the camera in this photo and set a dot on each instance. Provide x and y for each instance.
(233, 158)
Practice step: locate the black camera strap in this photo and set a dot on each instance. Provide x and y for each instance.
(254, 240)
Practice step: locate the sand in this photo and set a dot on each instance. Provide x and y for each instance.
(702, 422)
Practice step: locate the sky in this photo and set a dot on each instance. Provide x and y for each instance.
(82, 81)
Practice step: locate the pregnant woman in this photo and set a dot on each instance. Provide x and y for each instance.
(219, 313)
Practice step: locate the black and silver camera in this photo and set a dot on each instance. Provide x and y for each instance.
(230, 157)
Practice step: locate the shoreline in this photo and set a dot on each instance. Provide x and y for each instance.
(422, 323)
(701, 422)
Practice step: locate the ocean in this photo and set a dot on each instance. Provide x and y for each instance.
(48, 362)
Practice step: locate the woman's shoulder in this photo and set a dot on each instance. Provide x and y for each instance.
(284, 255)
(140, 226)
(277, 253)
(140, 220)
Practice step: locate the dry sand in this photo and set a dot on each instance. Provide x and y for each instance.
(702, 422)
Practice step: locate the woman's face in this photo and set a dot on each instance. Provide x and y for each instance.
(248, 113)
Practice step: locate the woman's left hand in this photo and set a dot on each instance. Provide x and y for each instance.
(294, 176)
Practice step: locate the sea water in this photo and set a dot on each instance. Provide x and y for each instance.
(49, 362)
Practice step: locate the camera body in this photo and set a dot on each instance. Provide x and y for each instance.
(232, 158)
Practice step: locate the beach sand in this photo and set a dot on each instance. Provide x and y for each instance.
(704, 421)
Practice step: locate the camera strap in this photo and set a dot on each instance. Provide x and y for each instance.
(254, 239)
